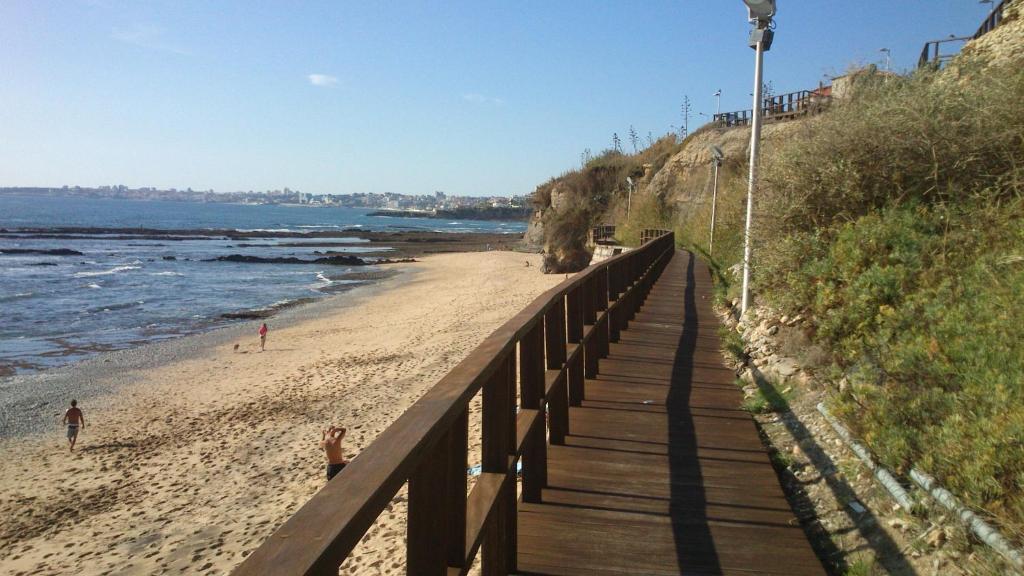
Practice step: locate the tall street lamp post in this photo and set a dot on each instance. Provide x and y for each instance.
(716, 158)
(760, 13)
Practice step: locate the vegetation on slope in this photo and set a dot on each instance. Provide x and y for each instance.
(895, 224)
(579, 199)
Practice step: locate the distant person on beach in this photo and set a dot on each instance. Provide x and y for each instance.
(331, 443)
(74, 419)
(263, 336)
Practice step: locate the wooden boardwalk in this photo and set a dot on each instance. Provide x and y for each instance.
(644, 464)
(662, 472)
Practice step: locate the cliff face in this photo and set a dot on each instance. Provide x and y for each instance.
(669, 178)
(685, 179)
(568, 206)
(1004, 45)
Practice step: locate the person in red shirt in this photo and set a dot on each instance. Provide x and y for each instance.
(263, 336)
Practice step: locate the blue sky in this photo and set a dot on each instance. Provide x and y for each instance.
(473, 98)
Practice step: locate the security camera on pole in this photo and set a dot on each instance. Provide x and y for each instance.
(760, 13)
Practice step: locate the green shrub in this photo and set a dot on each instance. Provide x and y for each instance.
(895, 224)
(927, 137)
(647, 211)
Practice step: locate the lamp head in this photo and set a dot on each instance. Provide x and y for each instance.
(716, 153)
(760, 10)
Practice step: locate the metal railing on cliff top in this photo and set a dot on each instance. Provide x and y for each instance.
(781, 107)
(932, 55)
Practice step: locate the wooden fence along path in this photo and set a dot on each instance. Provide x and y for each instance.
(636, 458)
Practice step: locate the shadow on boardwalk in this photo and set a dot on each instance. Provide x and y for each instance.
(662, 472)
(688, 505)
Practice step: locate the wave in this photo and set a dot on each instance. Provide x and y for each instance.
(114, 270)
(166, 274)
(120, 306)
(17, 296)
(320, 276)
(94, 286)
(264, 230)
(318, 226)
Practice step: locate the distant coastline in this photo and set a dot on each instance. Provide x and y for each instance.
(471, 213)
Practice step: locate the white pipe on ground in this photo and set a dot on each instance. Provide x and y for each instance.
(985, 532)
(981, 529)
(884, 477)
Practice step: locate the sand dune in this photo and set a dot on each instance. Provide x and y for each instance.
(195, 463)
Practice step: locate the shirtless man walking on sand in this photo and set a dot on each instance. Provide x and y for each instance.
(74, 419)
(331, 443)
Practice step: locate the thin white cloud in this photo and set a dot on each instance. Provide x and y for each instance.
(475, 98)
(148, 36)
(322, 80)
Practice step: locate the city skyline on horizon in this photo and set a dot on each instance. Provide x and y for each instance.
(470, 99)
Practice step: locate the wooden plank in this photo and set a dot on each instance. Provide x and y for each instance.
(525, 421)
(427, 528)
(556, 393)
(479, 510)
(661, 471)
(498, 400)
(458, 448)
(576, 378)
(532, 372)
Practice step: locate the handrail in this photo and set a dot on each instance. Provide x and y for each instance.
(555, 342)
(782, 106)
(602, 233)
(930, 55)
(994, 18)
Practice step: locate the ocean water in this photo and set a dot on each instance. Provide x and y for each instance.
(124, 292)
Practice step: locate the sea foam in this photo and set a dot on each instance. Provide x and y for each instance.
(114, 270)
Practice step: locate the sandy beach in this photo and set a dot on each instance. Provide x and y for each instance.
(186, 466)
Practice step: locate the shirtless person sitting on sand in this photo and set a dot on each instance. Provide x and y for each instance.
(331, 443)
(74, 420)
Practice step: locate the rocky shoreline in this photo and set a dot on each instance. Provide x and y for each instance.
(406, 244)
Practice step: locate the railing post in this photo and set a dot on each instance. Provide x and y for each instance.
(428, 530)
(634, 301)
(574, 334)
(601, 294)
(531, 396)
(557, 402)
(499, 542)
(590, 349)
(615, 284)
(458, 448)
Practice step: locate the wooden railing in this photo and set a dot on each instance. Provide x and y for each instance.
(555, 343)
(648, 234)
(781, 107)
(603, 234)
(932, 55)
(994, 18)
